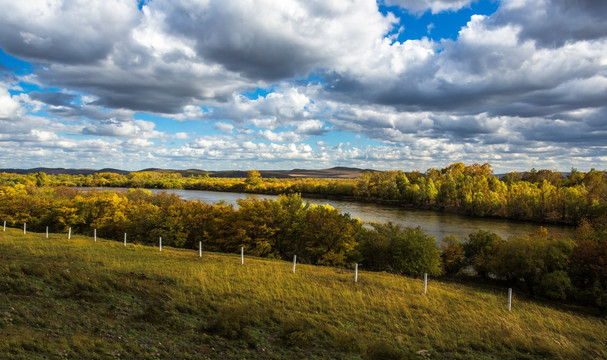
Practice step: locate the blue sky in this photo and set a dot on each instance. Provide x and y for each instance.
(233, 84)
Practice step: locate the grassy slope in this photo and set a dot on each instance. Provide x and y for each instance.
(74, 298)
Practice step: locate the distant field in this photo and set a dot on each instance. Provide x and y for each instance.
(78, 299)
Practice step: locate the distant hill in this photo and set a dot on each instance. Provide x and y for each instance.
(335, 172)
(57, 171)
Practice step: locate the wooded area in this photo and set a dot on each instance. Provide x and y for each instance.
(542, 196)
(541, 263)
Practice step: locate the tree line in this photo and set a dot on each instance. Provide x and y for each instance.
(542, 264)
(474, 190)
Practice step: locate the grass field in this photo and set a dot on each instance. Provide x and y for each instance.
(72, 299)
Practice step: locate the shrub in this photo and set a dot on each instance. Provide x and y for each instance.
(408, 250)
(555, 285)
(539, 261)
(231, 322)
(452, 254)
(588, 268)
(379, 350)
(480, 246)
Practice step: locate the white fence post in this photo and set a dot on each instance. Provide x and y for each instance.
(160, 243)
(200, 249)
(95, 235)
(69, 233)
(242, 255)
(4, 225)
(124, 239)
(47, 232)
(24, 228)
(425, 283)
(294, 262)
(356, 272)
(509, 299)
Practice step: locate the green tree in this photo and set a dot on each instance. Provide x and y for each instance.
(330, 236)
(480, 246)
(452, 254)
(538, 262)
(589, 263)
(389, 247)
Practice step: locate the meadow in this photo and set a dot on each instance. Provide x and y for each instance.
(78, 298)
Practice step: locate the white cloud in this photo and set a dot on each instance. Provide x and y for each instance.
(224, 127)
(518, 87)
(280, 137)
(9, 105)
(435, 6)
(311, 127)
(126, 129)
(286, 104)
(70, 31)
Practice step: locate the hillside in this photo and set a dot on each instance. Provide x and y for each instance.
(60, 171)
(76, 298)
(336, 172)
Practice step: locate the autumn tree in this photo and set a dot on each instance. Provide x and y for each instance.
(589, 263)
(452, 254)
(479, 248)
(253, 178)
(539, 262)
(389, 247)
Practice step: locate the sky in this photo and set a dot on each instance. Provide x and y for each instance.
(282, 84)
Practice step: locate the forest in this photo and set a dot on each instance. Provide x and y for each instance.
(542, 264)
(474, 190)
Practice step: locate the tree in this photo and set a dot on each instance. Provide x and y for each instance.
(479, 248)
(389, 247)
(259, 220)
(452, 254)
(292, 224)
(589, 263)
(41, 179)
(538, 261)
(253, 178)
(330, 236)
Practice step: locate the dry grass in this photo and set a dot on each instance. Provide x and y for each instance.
(74, 298)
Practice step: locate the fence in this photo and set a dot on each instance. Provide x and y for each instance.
(242, 258)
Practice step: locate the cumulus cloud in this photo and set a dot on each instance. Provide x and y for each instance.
(269, 40)
(172, 54)
(132, 129)
(520, 86)
(282, 137)
(311, 127)
(435, 6)
(489, 68)
(224, 127)
(9, 105)
(285, 105)
(67, 31)
(554, 23)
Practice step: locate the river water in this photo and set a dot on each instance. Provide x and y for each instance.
(437, 224)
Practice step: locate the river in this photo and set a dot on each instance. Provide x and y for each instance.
(437, 224)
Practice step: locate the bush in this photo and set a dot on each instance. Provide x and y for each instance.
(538, 261)
(382, 351)
(389, 247)
(555, 285)
(452, 254)
(298, 332)
(232, 322)
(588, 268)
(480, 247)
